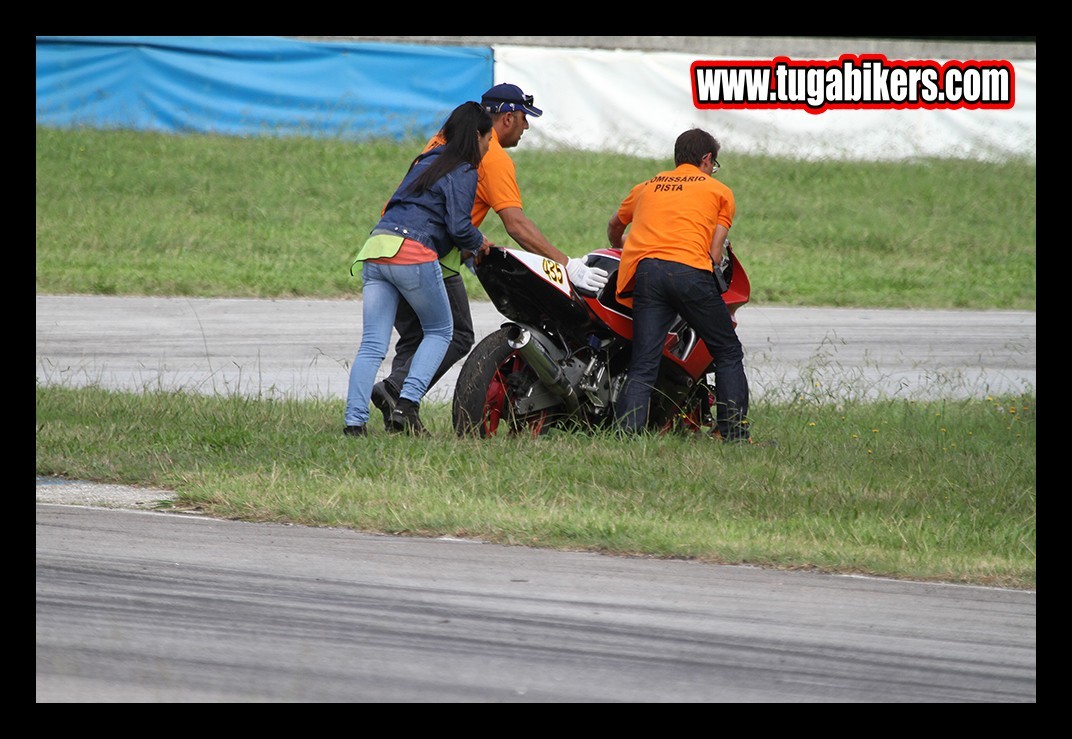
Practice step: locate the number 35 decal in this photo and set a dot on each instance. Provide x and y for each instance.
(553, 270)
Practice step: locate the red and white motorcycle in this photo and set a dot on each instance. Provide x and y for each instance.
(561, 358)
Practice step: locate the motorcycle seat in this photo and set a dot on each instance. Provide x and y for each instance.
(607, 298)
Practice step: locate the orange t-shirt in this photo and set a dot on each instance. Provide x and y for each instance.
(673, 217)
(496, 186)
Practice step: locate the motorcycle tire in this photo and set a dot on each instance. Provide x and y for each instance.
(493, 375)
(693, 414)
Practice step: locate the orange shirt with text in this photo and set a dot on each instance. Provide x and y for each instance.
(673, 217)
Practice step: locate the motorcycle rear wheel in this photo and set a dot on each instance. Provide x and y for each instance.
(494, 375)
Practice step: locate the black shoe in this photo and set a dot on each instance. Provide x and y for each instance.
(355, 431)
(384, 398)
(405, 418)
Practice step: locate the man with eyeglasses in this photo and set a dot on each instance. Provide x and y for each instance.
(497, 190)
(678, 224)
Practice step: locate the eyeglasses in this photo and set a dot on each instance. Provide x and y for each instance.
(715, 166)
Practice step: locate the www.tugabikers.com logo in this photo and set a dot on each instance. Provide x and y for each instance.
(864, 81)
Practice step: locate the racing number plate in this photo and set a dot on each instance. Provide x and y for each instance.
(547, 270)
(554, 271)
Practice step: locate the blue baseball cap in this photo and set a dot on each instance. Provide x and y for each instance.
(506, 97)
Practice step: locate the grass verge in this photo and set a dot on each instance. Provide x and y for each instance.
(941, 491)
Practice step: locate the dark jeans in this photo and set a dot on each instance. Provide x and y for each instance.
(664, 290)
(409, 334)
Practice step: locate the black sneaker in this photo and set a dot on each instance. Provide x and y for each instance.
(405, 418)
(355, 431)
(384, 398)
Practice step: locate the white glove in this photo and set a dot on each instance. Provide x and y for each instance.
(584, 277)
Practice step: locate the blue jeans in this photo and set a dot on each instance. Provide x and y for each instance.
(409, 334)
(664, 290)
(384, 285)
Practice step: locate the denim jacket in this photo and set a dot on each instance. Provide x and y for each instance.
(441, 217)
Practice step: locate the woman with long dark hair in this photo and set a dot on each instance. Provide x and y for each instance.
(429, 214)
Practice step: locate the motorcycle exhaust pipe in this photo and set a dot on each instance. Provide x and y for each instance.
(541, 361)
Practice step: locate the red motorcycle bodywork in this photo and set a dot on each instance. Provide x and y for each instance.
(619, 318)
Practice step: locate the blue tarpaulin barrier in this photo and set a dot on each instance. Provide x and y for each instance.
(255, 85)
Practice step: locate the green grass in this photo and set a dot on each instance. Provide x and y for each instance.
(932, 491)
(939, 491)
(130, 213)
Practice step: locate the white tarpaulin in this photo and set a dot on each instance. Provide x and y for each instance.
(637, 102)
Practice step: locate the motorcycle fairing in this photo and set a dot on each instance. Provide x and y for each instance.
(506, 275)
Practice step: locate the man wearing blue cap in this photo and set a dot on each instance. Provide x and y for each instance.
(497, 190)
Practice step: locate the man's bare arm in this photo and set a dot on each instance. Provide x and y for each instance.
(717, 241)
(615, 231)
(528, 235)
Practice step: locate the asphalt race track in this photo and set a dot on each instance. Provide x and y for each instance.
(159, 607)
(303, 348)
